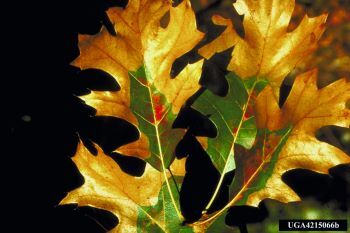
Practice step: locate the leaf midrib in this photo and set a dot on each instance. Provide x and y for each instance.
(245, 107)
(159, 146)
(245, 186)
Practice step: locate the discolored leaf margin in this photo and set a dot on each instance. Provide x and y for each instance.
(140, 57)
(149, 98)
(140, 203)
(286, 140)
(267, 49)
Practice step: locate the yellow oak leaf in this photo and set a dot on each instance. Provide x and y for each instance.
(140, 57)
(142, 41)
(267, 50)
(286, 140)
(107, 187)
(306, 110)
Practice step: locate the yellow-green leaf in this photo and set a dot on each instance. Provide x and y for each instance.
(267, 50)
(142, 42)
(287, 140)
(107, 187)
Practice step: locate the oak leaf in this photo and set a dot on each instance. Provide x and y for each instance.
(306, 110)
(140, 58)
(149, 98)
(235, 124)
(286, 140)
(267, 50)
(138, 202)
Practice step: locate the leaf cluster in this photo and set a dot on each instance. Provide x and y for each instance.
(255, 137)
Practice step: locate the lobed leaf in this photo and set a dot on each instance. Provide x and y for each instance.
(232, 119)
(267, 50)
(286, 140)
(148, 99)
(140, 57)
(256, 137)
(130, 198)
(306, 109)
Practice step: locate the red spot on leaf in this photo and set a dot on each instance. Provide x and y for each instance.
(158, 107)
(143, 80)
(250, 109)
(234, 131)
(268, 150)
(252, 163)
(249, 112)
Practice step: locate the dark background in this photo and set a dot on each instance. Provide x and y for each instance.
(44, 118)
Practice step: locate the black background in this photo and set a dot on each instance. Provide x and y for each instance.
(40, 42)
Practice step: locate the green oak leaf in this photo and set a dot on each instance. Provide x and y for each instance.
(231, 116)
